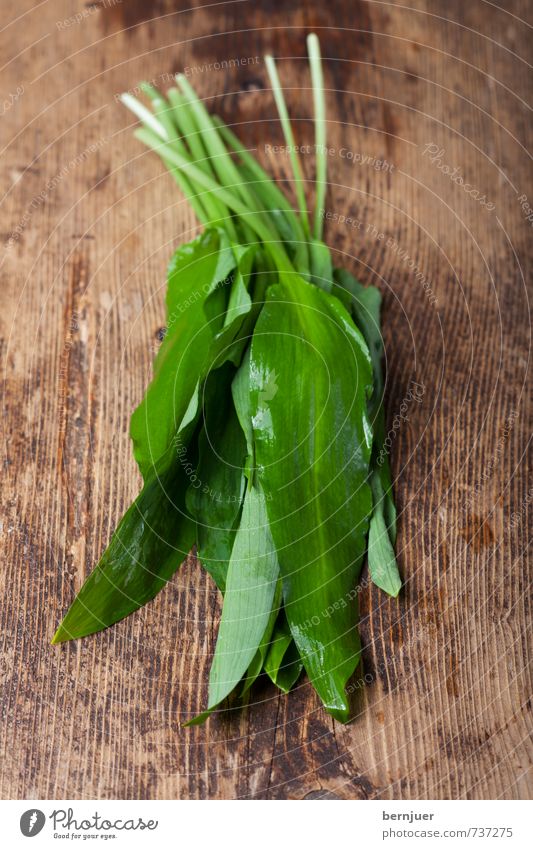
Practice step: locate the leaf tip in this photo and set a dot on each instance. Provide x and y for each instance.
(341, 714)
(196, 720)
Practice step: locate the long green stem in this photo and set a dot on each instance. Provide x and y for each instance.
(195, 175)
(223, 164)
(269, 190)
(289, 138)
(221, 161)
(199, 155)
(209, 209)
(144, 115)
(163, 113)
(317, 77)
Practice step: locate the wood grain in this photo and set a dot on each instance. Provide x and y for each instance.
(88, 223)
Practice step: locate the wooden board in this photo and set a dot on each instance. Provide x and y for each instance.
(419, 95)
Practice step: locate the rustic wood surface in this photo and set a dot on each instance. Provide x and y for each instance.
(88, 223)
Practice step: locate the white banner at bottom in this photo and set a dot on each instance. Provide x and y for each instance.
(266, 824)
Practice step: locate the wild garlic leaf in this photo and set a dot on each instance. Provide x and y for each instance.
(365, 306)
(217, 486)
(216, 496)
(365, 303)
(195, 271)
(241, 397)
(256, 666)
(320, 266)
(381, 557)
(251, 583)
(250, 588)
(149, 544)
(310, 378)
(227, 344)
(380, 466)
(240, 390)
(282, 663)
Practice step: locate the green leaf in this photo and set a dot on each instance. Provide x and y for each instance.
(256, 666)
(250, 592)
(290, 670)
(195, 272)
(250, 587)
(321, 268)
(227, 345)
(240, 389)
(217, 487)
(283, 664)
(365, 304)
(150, 542)
(310, 377)
(380, 465)
(381, 558)
(216, 505)
(241, 396)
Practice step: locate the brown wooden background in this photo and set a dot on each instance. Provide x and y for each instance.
(446, 709)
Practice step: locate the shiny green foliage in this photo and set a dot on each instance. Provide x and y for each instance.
(261, 436)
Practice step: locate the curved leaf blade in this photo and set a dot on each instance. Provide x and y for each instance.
(251, 583)
(149, 544)
(282, 663)
(215, 495)
(195, 271)
(256, 666)
(313, 445)
(250, 587)
(365, 304)
(381, 557)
